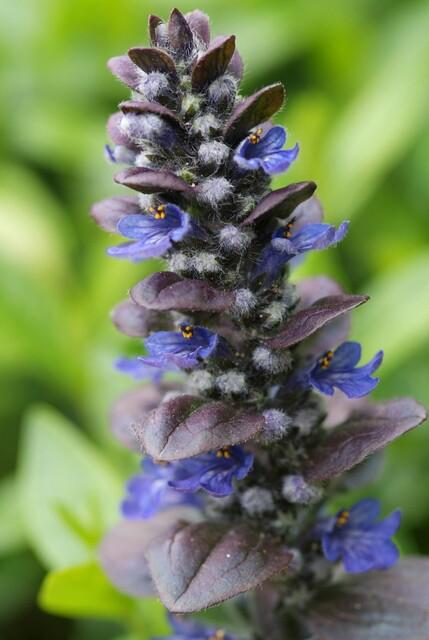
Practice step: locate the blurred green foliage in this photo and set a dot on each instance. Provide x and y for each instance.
(358, 101)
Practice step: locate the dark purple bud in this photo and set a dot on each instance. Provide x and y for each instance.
(156, 88)
(179, 33)
(222, 93)
(122, 552)
(199, 566)
(149, 60)
(304, 323)
(125, 70)
(281, 203)
(253, 111)
(108, 212)
(136, 321)
(188, 426)
(152, 181)
(388, 605)
(213, 63)
(199, 23)
(167, 291)
(366, 431)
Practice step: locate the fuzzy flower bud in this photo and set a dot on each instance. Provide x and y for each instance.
(306, 419)
(213, 154)
(205, 263)
(277, 425)
(296, 490)
(232, 383)
(270, 361)
(206, 126)
(245, 302)
(233, 240)
(202, 381)
(154, 85)
(257, 501)
(222, 92)
(179, 262)
(147, 127)
(214, 191)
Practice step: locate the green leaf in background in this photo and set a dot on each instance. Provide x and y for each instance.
(395, 318)
(83, 591)
(12, 537)
(69, 494)
(383, 121)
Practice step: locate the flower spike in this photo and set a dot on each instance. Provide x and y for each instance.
(251, 410)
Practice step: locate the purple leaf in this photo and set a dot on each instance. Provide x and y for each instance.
(281, 203)
(108, 212)
(304, 323)
(122, 552)
(332, 334)
(132, 408)
(256, 109)
(199, 23)
(142, 106)
(195, 566)
(236, 66)
(179, 33)
(382, 605)
(188, 425)
(149, 59)
(153, 181)
(153, 24)
(124, 69)
(367, 430)
(167, 291)
(137, 322)
(213, 63)
(312, 289)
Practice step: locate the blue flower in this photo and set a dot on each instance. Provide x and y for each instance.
(354, 536)
(184, 349)
(154, 233)
(213, 472)
(192, 630)
(150, 492)
(293, 239)
(265, 152)
(160, 486)
(337, 369)
(137, 369)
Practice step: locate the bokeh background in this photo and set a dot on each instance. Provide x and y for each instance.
(356, 74)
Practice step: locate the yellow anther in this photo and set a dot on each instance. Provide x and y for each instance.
(287, 233)
(223, 453)
(326, 360)
(187, 331)
(343, 518)
(255, 137)
(219, 635)
(159, 212)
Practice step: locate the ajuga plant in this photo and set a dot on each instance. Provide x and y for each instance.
(254, 413)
